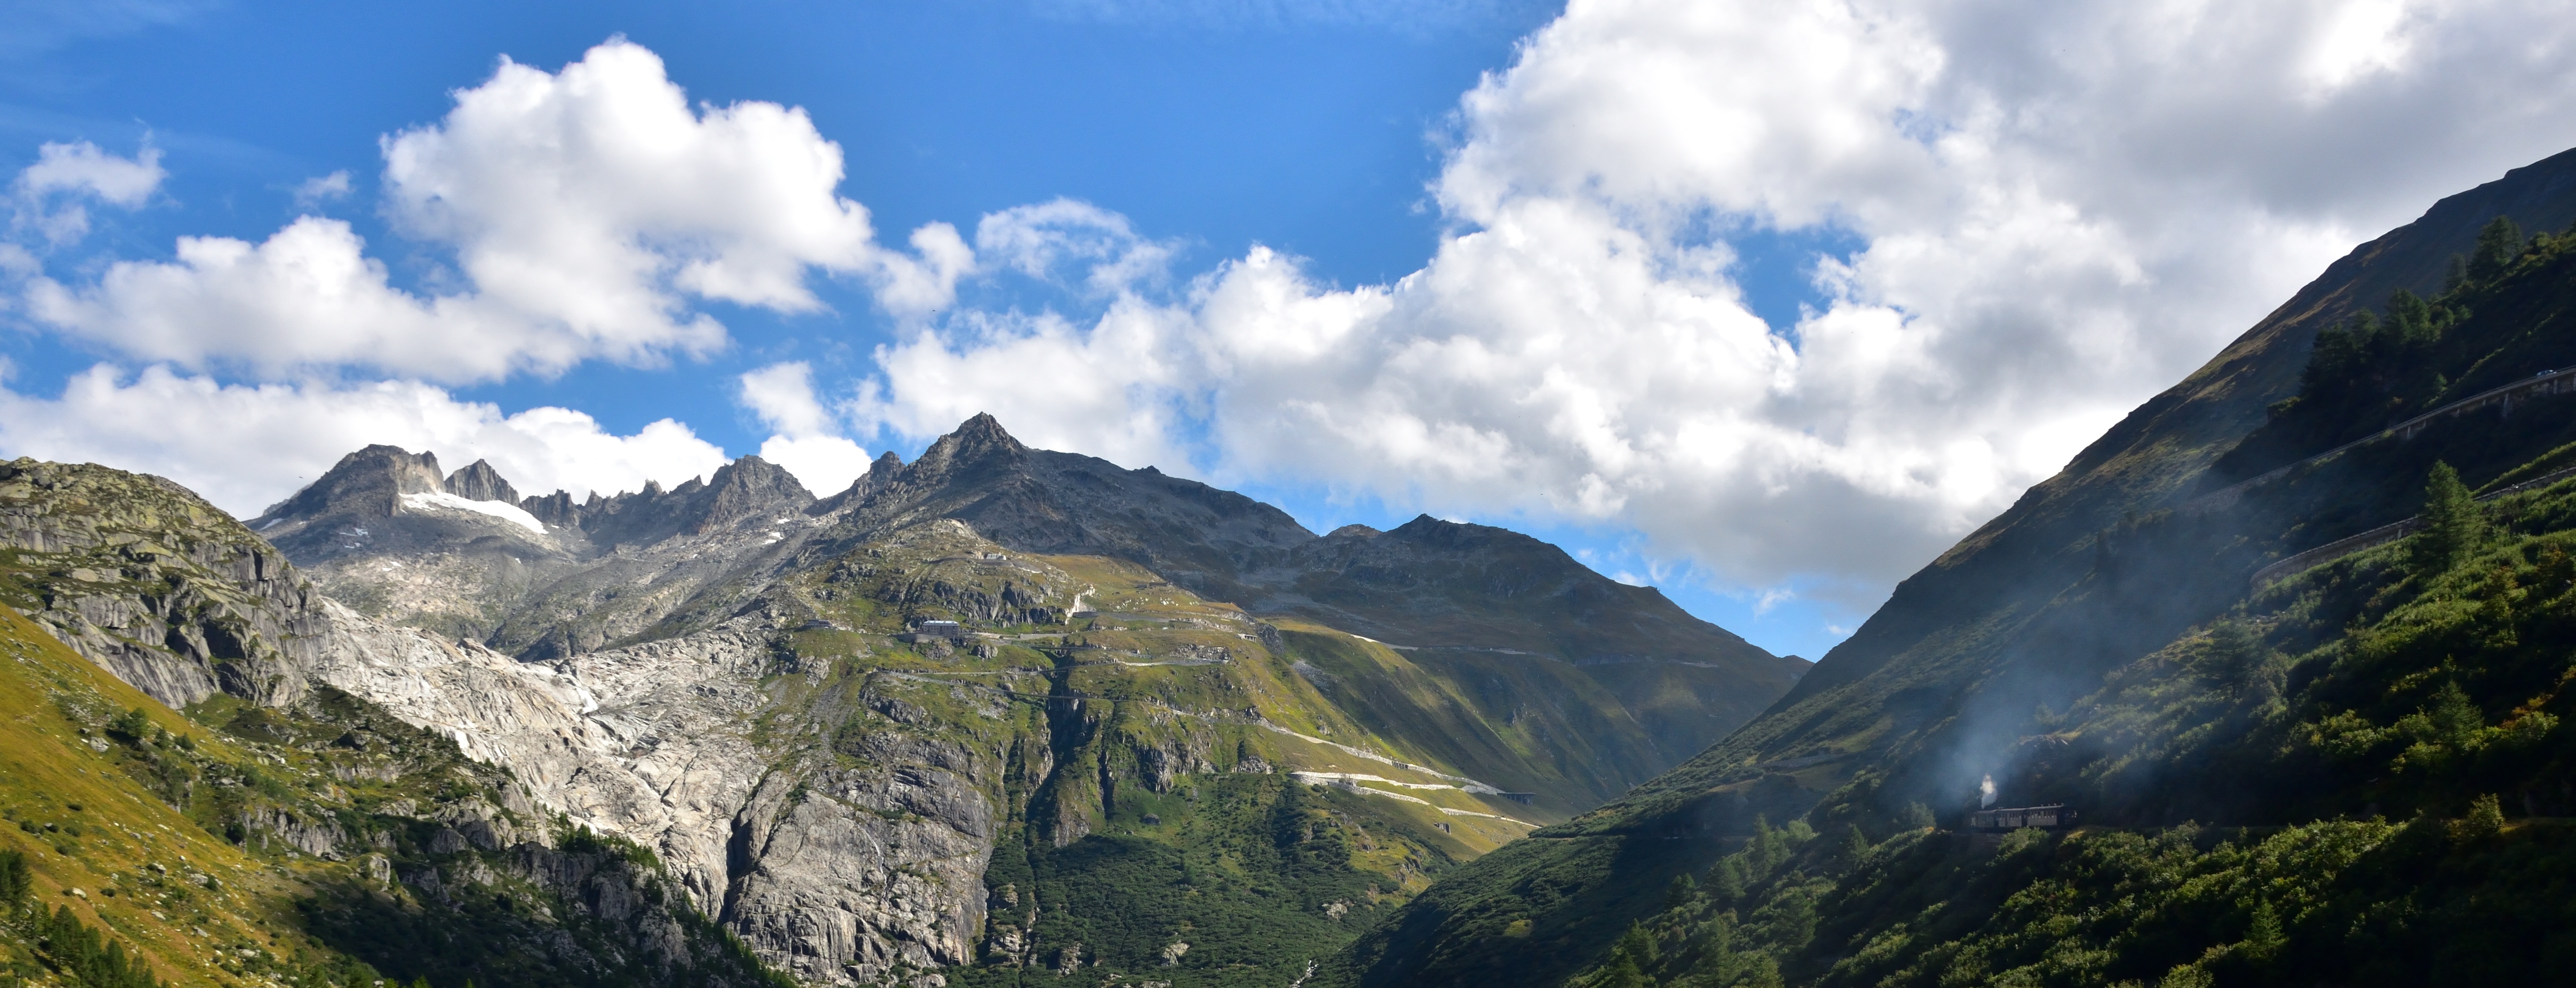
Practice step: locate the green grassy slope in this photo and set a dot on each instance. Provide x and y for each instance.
(2034, 611)
(308, 837)
(2390, 725)
(242, 845)
(1519, 626)
(1151, 824)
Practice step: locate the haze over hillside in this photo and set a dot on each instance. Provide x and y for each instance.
(2100, 646)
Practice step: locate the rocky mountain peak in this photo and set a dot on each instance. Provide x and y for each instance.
(370, 481)
(976, 444)
(744, 488)
(479, 482)
(1036, 500)
(1426, 536)
(880, 473)
(1435, 531)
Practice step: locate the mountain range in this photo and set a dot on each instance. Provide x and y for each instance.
(944, 720)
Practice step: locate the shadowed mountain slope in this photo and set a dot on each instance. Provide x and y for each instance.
(2117, 556)
(1456, 593)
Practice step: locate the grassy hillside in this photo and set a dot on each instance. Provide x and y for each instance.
(1178, 800)
(98, 839)
(2390, 724)
(1976, 664)
(242, 845)
(1521, 629)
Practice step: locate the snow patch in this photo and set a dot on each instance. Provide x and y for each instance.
(498, 509)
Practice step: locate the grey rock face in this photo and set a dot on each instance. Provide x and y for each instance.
(367, 483)
(319, 837)
(149, 581)
(854, 871)
(834, 874)
(167, 592)
(477, 481)
(650, 742)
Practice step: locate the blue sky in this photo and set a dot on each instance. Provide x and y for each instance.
(1760, 302)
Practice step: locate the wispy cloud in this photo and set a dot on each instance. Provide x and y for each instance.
(315, 191)
(39, 26)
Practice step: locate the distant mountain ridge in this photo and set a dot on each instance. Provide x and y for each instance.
(1427, 584)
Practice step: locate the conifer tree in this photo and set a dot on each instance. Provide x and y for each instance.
(2498, 244)
(15, 881)
(2453, 523)
(1855, 845)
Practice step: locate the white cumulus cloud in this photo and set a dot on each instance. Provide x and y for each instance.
(807, 440)
(245, 447)
(77, 171)
(2060, 209)
(586, 211)
(82, 167)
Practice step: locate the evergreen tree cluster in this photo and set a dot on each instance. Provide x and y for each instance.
(76, 953)
(2415, 354)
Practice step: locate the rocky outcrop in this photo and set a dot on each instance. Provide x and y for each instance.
(837, 874)
(855, 871)
(319, 836)
(535, 912)
(479, 482)
(369, 483)
(144, 578)
(880, 473)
